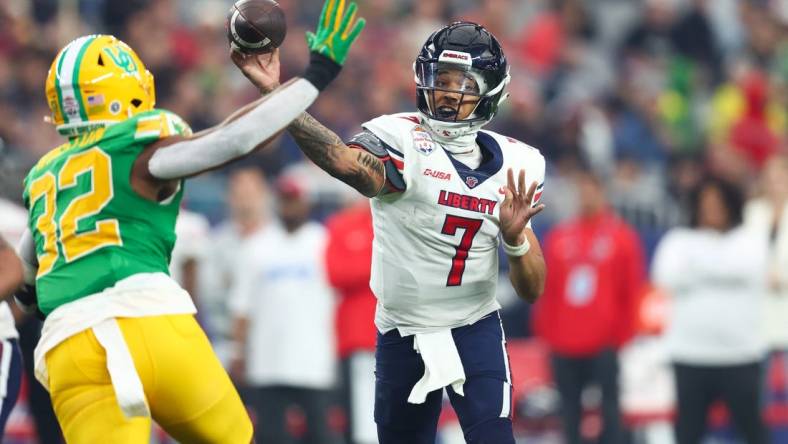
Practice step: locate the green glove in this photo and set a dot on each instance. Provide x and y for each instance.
(334, 37)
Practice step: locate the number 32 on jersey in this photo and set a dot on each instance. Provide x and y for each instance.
(73, 245)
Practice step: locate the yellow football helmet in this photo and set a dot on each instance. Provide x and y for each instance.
(97, 80)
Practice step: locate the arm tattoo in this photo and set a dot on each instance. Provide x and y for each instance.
(325, 148)
(367, 170)
(316, 141)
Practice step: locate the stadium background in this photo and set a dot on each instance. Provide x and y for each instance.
(649, 93)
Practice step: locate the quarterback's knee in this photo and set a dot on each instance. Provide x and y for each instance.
(494, 431)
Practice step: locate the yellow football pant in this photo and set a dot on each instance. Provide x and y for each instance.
(188, 391)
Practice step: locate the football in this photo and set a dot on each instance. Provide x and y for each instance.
(256, 26)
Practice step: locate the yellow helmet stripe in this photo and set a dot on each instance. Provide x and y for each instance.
(67, 79)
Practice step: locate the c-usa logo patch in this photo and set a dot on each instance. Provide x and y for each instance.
(422, 141)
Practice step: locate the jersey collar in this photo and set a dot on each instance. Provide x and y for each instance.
(492, 161)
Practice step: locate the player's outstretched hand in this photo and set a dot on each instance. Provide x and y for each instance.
(516, 209)
(336, 30)
(261, 69)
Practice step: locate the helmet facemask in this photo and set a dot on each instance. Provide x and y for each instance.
(456, 101)
(448, 92)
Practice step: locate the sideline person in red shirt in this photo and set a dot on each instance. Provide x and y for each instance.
(588, 309)
(348, 261)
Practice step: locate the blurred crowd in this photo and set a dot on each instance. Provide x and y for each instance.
(649, 96)
(649, 93)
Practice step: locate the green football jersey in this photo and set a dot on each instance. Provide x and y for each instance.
(90, 228)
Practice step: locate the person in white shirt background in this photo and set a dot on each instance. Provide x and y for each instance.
(248, 201)
(715, 273)
(768, 212)
(187, 262)
(283, 310)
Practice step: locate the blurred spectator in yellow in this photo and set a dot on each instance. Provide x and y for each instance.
(677, 106)
(589, 307)
(731, 103)
(751, 134)
(715, 273)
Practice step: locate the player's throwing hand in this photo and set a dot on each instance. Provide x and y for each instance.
(261, 69)
(516, 209)
(328, 45)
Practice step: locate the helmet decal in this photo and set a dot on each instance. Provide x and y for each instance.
(114, 107)
(122, 59)
(458, 57)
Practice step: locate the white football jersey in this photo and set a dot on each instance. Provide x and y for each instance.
(435, 255)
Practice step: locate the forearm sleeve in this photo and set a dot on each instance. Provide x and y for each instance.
(237, 138)
(26, 250)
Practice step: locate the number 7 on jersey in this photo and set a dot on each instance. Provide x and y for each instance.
(471, 228)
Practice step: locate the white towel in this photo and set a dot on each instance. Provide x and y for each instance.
(442, 365)
(120, 365)
(142, 294)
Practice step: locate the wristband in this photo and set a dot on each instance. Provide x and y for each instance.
(321, 70)
(516, 250)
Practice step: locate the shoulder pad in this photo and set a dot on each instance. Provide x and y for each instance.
(370, 142)
(158, 124)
